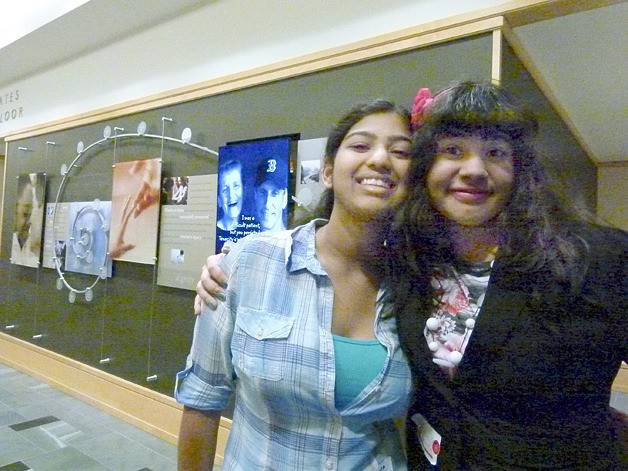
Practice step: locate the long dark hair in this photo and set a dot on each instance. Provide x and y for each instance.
(338, 134)
(535, 222)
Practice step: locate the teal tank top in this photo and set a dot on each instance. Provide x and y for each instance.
(358, 362)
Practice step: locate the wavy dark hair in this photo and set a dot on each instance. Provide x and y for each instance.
(534, 223)
(338, 134)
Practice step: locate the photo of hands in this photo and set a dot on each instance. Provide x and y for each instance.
(135, 211)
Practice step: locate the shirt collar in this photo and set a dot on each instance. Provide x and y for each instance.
(301, 250)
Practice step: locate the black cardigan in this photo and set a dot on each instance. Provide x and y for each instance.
(533, 388)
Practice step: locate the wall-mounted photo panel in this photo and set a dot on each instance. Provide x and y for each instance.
(174, 190)
(308, 185)
(87, 238)
(255, 187)
(187, 230)
(29, 219)
(311, 153)
(55, 238)
(135, 211)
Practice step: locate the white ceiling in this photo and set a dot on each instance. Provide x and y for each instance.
(77, 26)
(25, 16)
(581, 57)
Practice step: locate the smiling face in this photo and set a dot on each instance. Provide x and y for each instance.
(471, 178)
(230, 194)
(270, 202)
(369, 173)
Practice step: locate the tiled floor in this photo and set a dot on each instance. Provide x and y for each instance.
(43, 429)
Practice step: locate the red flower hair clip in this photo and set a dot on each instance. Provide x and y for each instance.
(422, 104)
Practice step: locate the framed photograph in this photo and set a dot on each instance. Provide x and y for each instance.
(135, 211)
(255, 187)
(29, 219)
(174, 190)
(85, 247)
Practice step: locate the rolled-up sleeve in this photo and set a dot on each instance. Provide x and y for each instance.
(208, 380)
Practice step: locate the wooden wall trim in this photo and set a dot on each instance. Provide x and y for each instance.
(421, 36)
(151, 411)
(517, 12)
(496, 62)
(542, 11)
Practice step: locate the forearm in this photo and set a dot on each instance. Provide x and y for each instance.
(197, 439)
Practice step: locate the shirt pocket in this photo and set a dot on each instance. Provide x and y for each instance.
(261, 343)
